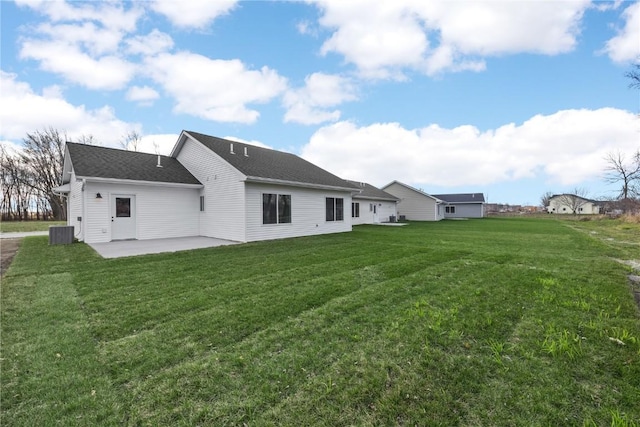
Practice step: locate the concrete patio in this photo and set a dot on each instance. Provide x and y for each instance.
(124, 248)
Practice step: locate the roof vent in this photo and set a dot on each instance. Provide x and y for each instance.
(246, 152)
(231, 148)
(158, 165)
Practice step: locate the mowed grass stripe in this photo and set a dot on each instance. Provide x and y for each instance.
(49, 359)
(230, 321)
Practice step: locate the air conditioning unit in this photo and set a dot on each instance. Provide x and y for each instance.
(61, 234)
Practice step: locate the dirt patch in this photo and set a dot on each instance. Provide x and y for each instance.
(8, 249)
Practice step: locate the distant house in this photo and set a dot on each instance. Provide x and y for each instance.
(573, 204)
(414, 204)
(463, 205)
(208, 186)
(370, 205)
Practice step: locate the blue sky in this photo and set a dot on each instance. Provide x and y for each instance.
(511, 99)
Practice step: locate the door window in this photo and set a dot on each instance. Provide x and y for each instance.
(123, 207)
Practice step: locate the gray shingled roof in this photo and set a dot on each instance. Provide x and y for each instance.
(368, 191)
(101, 162)
(461, 197)
(265, 163)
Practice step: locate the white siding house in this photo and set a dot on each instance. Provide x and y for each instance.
(415, 205)
(119, 195)
(573, 204)
(207, 187)
(371, 205)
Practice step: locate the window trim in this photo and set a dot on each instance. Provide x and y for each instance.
(334, 210)
(278, 217)
(355, 209)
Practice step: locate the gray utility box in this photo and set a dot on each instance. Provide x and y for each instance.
(61, 234)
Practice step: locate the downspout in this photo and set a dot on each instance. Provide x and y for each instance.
(84, 209)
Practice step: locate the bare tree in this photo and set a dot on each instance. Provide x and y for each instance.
(634, 76)
(545, 199)
(574, 201)
(44, 155)
(131, 141)
(623, 172)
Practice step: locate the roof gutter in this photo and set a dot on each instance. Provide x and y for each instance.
(138, 182)
(260, 180)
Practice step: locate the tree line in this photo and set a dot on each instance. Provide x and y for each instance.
(29, 176)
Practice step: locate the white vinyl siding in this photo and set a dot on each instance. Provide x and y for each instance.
(224, 212)
(307, 213)
(413, 205)
(558, 205)
(384, 211)
(75, 208)
(160, 211)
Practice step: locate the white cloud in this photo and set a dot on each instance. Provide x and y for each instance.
(151, 44)
(107, 72)
(110, 14)
(158, 143)
(376, 36)
(625, 47)
(567, 148)
(308, 105)
(384, 38)
(142, 94)
(22, 110)
(82, 42)
(192, 13)
(218, 90)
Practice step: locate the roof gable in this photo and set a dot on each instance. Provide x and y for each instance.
(461, 197)
(570, 196)
(258, 163)
(111, 163)
(368, 191)
(419, 192)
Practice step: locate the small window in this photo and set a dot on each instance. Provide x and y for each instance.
(355, 210)
(276, 208)
(123, 207)
(201, 203)
(334, 210)
(450, 209)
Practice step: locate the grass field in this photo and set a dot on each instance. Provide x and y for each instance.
(479, 322)
(21, 226)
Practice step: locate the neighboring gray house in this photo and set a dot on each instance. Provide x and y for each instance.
(463, 205)
(208, 186)
(415, 204)
(370, 205)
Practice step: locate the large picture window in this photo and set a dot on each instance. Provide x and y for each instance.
(334, 209)
(276, 208)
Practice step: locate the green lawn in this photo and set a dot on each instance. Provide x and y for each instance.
(479, 322)
(20, 226)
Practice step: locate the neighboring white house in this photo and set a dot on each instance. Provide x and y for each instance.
(208, 186)
(370, 205)
(462, 205)
(415, 204)
(573, 204)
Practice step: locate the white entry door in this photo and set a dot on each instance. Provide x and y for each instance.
(123, 217)
(375, 214)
